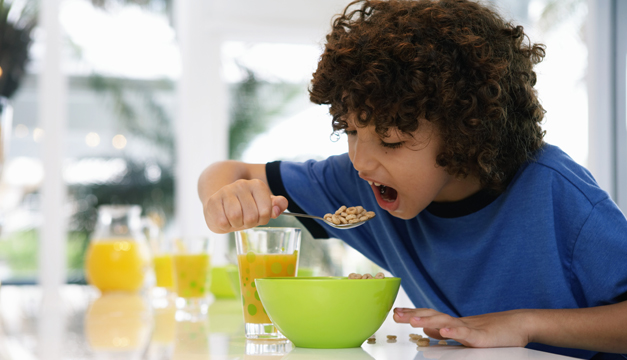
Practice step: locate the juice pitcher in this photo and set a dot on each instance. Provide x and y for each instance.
(118, 258)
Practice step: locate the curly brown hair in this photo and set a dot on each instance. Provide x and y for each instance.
(455, 63)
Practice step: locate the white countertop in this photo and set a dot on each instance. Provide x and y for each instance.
(78, 324)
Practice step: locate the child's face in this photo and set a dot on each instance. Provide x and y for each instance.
(406, 167)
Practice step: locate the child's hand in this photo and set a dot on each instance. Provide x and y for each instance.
(241, 205)
(489, 330)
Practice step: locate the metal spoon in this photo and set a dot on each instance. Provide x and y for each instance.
(340, 226)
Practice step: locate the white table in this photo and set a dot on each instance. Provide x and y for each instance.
(79, 324)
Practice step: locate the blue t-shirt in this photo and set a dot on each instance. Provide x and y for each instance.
(552, 240)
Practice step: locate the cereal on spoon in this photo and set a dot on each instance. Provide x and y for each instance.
(349, 215)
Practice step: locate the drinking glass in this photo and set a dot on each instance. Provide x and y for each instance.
(163, 292)
(117, 258)
(191, 261)
(264, 252)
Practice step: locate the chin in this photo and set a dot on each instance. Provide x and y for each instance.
(404, 215)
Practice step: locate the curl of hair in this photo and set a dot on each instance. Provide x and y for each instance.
(455, 63)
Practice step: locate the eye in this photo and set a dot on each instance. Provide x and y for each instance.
(392, 145)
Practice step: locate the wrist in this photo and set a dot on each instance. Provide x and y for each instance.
(531, 324)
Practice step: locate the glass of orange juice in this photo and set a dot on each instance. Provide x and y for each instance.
(191, 261)
(117, 258)
(163, 292)
(264, 252)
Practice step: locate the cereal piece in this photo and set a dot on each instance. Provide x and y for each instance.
(363, 218)
(391, 337)
(336, 220)
(372, 340)
(423, 342)
(359, 209)
(343, 220)
(340, 210)
(351, 217)
(353, 221)
(442, 342)
(344, 214)
(354, 276)
(415, 336)
(379, 275)
(328, 217)
(351, 210)
(370, 214)
(367, 276)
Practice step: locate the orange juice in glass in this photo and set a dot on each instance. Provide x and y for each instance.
(191, 263)
(162, 264)
(162, 293)
(264, 252)
(117, 258)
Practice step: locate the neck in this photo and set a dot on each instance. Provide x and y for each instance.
(458, 189)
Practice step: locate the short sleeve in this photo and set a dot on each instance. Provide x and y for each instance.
(599, 260)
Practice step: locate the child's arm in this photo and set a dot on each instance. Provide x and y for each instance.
(602, 328)
(236, 196)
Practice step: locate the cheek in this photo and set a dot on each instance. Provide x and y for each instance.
(351, 149)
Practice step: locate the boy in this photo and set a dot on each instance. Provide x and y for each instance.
(500, 239)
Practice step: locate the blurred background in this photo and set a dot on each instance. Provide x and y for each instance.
(126, 101)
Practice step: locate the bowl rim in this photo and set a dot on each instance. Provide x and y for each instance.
(320, 278)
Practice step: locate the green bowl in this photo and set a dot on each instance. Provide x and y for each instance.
(327, 312)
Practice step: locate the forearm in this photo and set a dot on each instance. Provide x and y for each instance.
(220, 174)
(602, 328)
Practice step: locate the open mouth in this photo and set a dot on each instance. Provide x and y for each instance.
(388, 194)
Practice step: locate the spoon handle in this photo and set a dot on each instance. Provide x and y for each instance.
(301, 215)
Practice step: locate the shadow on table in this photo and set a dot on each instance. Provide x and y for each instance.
(327, 354)
(464, 353)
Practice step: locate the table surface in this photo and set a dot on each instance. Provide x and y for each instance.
(77, 323)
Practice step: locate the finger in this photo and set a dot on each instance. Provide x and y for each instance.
(279, 204)
(250, 213)
(437, 321)
(263, 202)
(404, 315)
(417, 311)
(461, 334)
(433, 333)
(233, 212)
(215, 217)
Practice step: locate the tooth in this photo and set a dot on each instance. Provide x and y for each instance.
(369, 182)
(377, 184)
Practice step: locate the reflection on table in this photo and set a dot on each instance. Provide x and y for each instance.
(81, 324)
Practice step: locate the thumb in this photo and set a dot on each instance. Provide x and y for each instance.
(279, 204)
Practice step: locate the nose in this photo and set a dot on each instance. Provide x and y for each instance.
(362, 155)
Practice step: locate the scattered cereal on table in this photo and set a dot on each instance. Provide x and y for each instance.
(442, 342)
(415, 336)
(391, 337)
(423, 342)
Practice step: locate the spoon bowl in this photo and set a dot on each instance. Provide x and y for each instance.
(340, 226)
